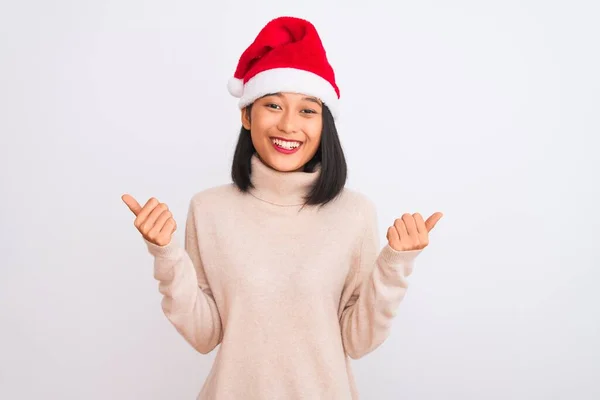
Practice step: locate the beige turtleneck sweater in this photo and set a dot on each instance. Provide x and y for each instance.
(289, 293)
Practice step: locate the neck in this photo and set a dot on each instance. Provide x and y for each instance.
(280, 188)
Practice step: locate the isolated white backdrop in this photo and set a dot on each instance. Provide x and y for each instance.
(486, 111)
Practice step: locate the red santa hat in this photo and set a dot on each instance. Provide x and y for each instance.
(286, 56)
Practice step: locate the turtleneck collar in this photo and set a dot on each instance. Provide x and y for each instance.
(280, 188)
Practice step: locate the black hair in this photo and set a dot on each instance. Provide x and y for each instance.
(330, 155)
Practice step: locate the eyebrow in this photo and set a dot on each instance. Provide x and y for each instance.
(313, 99)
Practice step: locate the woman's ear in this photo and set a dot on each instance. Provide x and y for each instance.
(246, 118)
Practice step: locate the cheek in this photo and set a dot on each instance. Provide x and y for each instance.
(262, 124)
(314, 133)
(260, 129)
(259, 139)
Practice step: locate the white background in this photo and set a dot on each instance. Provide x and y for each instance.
(486, 111)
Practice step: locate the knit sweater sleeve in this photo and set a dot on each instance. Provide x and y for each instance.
(376, 287)
(187, 301)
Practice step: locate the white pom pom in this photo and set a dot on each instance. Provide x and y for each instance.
(235, 87)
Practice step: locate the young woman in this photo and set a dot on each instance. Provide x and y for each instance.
(282, 267)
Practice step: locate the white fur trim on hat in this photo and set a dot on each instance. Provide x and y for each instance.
(290, 80)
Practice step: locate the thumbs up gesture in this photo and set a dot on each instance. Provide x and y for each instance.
(411, 232)
(154, 221)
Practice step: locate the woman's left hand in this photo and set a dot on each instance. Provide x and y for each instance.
(410, 232)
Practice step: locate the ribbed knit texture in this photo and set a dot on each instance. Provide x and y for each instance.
(288, 294)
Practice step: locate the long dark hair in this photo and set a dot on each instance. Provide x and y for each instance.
(330, 155)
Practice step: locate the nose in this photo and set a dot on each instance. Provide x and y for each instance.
(288, 122)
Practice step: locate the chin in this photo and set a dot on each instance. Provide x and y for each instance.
(286, 163)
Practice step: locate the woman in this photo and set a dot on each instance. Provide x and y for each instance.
(282, 267)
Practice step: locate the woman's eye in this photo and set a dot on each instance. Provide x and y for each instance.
(308, 111)
(271, 105)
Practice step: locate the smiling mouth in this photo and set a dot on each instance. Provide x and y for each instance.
(286, 144)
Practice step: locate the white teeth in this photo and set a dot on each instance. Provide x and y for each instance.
(285, 144)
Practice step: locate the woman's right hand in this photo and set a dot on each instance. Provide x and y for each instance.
(154, 221)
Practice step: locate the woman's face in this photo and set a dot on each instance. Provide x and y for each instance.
(285, 129)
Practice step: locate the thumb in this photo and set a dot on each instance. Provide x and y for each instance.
(431, 221)
(132, 203)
